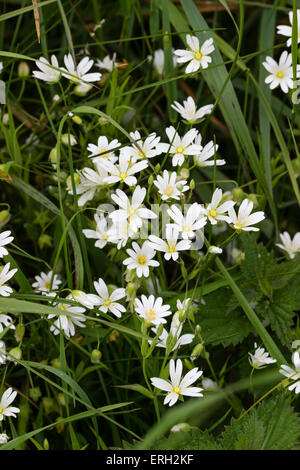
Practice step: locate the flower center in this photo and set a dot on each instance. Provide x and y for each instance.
(62, 307)
(140, 154)
(198, 55)
(47, 285)
(176, 390)
(240, 223)
(150, 316)
(104, 155)
(123, 176)
(213, 212)
(186, 228)
(280, 74)
(169, 191)
(171, 247)
(107, 302)
(131, 211)
(1, 411)
(179, 150)
(142, 260)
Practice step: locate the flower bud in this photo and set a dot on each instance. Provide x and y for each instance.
(44, 240)
(157, 167)
(185, 427)
(59, 426)
(215, 250)
(113, 336)
(150, 180)
(130, 291)
(82, 89)
(4, 217)
(68, 138)
(253, 198)
(96, 356)
(192, 185)
(77, 120)
(15, 352)
(19, 332)
(46, 444)
(5, 118)
(56, 363)
(196, 351)
(53, 157)
(48, 405)
(35, 393)
(55, 98)
(184, 173)
(237, 194)
(103, 121)
(159, 329)
(23, 69)
(61, 399)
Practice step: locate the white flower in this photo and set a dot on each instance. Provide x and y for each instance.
(208, 151)
(87, 300)
(70, 317)
(7, 321)
(215, 211)
(244, 220)
(189, 112)
(152, 310)
(178, 386)
(5, 239)
(124, 170)
(120, 232)
(101, 234)
(148, 148)
(159, 60)
(1, 66)
(107, 63)
(140, 258)
(260, 358)
(2, 352)
(189, 223)
(131, 210)
(107, 302)
(78, 73)
(3, 438)
(170, 246)
(47, 74)
(181, 147)
(280, 73)
(43, 281)
(183, 306)
(209, 384)
(104, 149)
(294, 374)
(168, 187)
(91, 181)
(287, 30)
(215, 250)
(5, 275)
(7, 398)
(290, 246)
(175, 331)
(196, 56)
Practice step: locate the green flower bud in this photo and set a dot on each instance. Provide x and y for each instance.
(53, 156)
(184, 173)
(130, 291)
(159, 329)
(77, 120)
(185, 427)
(15, 352)
(19, 332)
(96, 356)
(48, 405)
(237, 194)
(59, 426)
(157, 167)
(46, 444)
(56, 363)
(61, 399)
(68, 138)
(35, 393)
(23, 69)
(192, 185)
(150, 180)
(196, 351)
(103, 121)
(44, 240)
(253, 198)
(4, 216)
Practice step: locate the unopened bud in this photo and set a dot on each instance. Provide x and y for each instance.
(69, 181)
(150, 180)
(185, 427)
(113, 336)
(68, 139)
(157, 167)
(19, 332)
(48, 405)
(130, 290)
(53, 156)
(23, 69)
(16, 353)
(61, 399)
(103, 121)
(46, 444)
(96, 356)
(77, 120)
(196, 351)
(184, 173)
(253, 198)
(192, 185)
(159, 329)
(56, 363)
(59, 426)
(44, 240)
(4, 216)
(237, 194)
(35, 393)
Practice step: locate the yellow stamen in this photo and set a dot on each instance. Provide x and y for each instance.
(213, 212)
(171, 248)
(279, 74)
(179, 150)
(123, 176)
(142, 260)
(107, 302)
(176, 390)
(198, 55)
(150, 316)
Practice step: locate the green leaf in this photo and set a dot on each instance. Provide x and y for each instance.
(138, 388)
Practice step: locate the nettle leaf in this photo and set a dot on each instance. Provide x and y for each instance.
(262, 428)
(258, 260)
(219, 326)
(280, 312)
